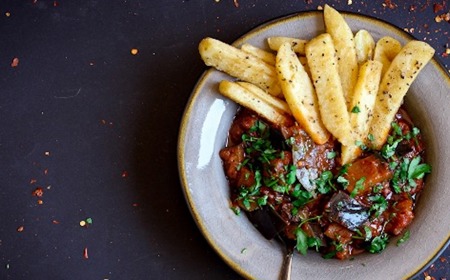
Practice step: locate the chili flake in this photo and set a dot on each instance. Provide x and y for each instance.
(40, 202)
(15, 62)
(85, 253)
(236, 3)
(20, 229)
(124, 174)
(39, 192)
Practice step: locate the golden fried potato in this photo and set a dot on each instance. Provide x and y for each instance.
(248, 99)
(276, 103)
(385, 51)
(363, 103)
(323, 64)
(265, 56)
(298, 45)
(364, 46)
(403, 70)
(239, 64)
(299, 93)
(342, 35)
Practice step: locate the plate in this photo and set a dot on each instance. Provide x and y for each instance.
(203, 133)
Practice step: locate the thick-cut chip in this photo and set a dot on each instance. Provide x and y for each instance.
(298, 45)
(276, 103)
(363, 102)
(265, 56)
(239, 64)
(342, 35)
(323, 65)
(395, 83)
(364, 46)
(385, 51)
(248, 99)
(299, 93)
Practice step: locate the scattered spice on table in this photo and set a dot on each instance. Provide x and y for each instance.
(15, 62)
(85, 253)
(39, 192)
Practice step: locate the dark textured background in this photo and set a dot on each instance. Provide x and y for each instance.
(96, 127)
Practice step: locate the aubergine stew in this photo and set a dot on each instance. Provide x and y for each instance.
(337, 210)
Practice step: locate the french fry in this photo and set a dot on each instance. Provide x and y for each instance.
(299, 93)
(385, 51)
(342, 35)
(403, 70)
(344, 43)
(364, 46)
(363, 103)
(248, 99)
(265, 56)
(277, 103)
(239, 64)
(298, 45)
(323, 65)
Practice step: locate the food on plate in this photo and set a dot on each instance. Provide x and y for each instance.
(266, 56)
(385, 50)
(298, 45)
(338, 210)
(239, 64)
(299, 93)
(321, 138)
(401, 73)
(344, 43)
(362, 105)
(325, 74)
(364, 46)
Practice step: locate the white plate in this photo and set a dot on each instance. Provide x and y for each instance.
(203, 133)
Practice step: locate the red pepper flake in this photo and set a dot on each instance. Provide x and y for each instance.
(55, 4)
(33, 181)
(40, 202)
(124, 174)
(412, 8)
(389, 4)
(85, 253)
(20, 229)
(45, 171)
(308, 1)
(437, 7)
(35, 1)
(135, 204)
(236, 3)
(55, 222)
(15, 62)
(39, 192)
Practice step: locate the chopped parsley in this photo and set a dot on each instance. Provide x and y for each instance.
(356, 109)
(404, 238)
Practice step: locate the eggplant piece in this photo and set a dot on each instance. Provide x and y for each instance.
(268, 222)
(347, 211)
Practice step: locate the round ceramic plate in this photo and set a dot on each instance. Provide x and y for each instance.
(203, 133)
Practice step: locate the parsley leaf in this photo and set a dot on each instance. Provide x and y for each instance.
(356, 109)
(324, 183)
(379, 243)
(379, 204)
(404, 238)
(302, 241)
(359, 185)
